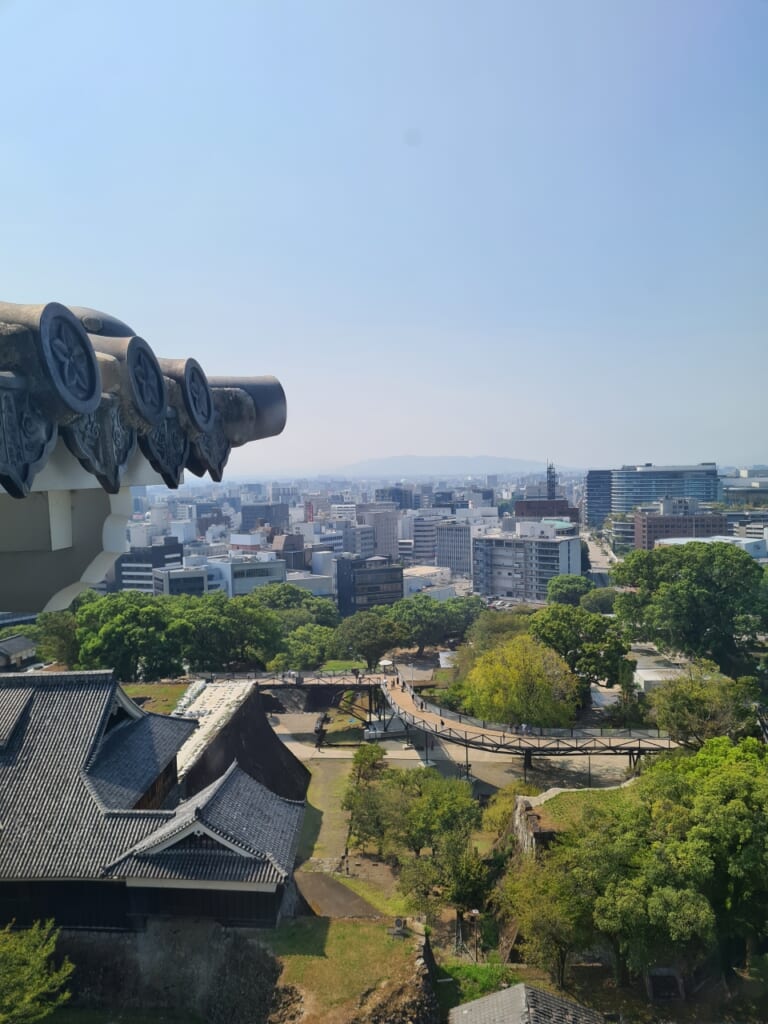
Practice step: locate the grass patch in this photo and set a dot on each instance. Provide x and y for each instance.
(343, 735)
(566, 809)
(324, 831)
(392, 906)
(443, 676)
(470, 981)
(161, 698)
(341, 665)
(334, 960)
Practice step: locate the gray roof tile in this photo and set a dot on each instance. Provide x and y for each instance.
(62, 787)
(234, 811)
(13, 703)
(133, 755)
(521, 1004)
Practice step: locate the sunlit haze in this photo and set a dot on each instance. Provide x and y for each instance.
(531, 230)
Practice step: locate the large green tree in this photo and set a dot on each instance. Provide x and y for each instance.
(589, 643)
(128, 632)
(367, 635)
(701, 599)
(32, 985)
(568, 589)
(702, 703)
(421, 619)
(522, 680)
(668, 870)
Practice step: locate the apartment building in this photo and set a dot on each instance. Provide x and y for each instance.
(519, 565)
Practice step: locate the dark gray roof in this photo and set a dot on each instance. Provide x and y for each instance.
(16, 644)
(11, 710)
(53, 826)
(67, 784)
(133, 755)
(236, 829)
(521, 1004)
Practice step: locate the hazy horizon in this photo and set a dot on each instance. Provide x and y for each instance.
(446, 228)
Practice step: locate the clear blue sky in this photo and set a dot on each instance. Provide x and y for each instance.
(533, 229)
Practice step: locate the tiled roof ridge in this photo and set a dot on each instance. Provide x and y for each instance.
(185, 818)
(61, 679)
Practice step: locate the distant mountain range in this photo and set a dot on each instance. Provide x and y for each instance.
(409, 466)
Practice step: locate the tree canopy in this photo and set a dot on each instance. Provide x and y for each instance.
(704, 600)
(663, 872)
(31, 985)
(367, 635)
(702, 703)
(522, 681)
(568, 589)
(590, 644)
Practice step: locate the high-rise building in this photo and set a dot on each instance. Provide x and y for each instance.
(134, 569)
(621, 491)
(675, 517)
(384, 525)
(363, 583)
(632, 486)
(453, 547)
(520, 565)
(597, 497)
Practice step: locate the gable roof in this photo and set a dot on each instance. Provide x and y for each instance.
(16, 644)
(53, 827)
(252, 836)
(521, 1004)
(76, 754)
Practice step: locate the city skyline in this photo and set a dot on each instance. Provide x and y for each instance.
(523, 231)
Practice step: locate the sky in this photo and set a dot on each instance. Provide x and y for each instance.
(527, 229)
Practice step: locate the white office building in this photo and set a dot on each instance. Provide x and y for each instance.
(519, 565)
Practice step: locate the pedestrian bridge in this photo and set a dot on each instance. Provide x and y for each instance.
(525, 741)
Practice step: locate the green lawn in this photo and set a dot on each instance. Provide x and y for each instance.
(565, 809)
(337, 960)
(459, 981)
(340, 665)
(324, 832)
(159, 697)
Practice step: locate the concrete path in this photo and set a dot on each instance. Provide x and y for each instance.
(327, 897)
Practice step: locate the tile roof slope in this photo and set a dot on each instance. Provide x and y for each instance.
(52, 825)
(16, 644)
(133, 755)
(13, 703)
(521, 1004)
(240, 811)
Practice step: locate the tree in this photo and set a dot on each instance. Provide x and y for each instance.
(367, 763)
(568, 589)
(590, 644)
(702, 703)
(308, 646)
(57, 637)
(460, 613)
(522, 681)
(128, 632)
(545, 901)
(670, 869)
(586, 561)
(295, 606)
(599, 601)
(367, 635)
(701, 599)
(31, 985)
(421, 619)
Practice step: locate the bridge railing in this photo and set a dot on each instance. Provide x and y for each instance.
(511, 729)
